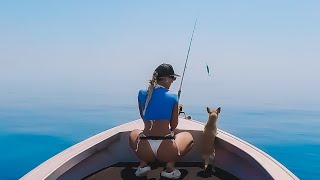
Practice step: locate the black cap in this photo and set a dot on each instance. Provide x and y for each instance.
(164, 70)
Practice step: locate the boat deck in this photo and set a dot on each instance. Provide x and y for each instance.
(189, 171)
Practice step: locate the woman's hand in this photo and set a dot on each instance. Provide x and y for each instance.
(180, 106)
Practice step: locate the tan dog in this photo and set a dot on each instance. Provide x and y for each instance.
(208, 137)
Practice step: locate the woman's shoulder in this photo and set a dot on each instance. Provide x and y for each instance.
(143, 91)
(172, 95)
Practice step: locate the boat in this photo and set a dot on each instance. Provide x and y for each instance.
(108, 155)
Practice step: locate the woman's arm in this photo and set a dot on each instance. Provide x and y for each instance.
(174, 118)
(140, 110)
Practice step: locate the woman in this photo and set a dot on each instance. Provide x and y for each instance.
(159, 139)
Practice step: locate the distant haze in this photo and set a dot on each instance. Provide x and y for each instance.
(259, 53)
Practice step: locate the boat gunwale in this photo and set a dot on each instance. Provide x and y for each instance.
(46, 165)
(78, 152)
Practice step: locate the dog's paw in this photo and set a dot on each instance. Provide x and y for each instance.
(213, 169)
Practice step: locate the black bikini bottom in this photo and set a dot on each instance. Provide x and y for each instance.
(157, 137)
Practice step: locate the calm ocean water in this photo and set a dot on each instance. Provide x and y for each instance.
(32, 132)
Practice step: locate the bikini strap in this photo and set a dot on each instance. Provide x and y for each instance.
(152, 121)
(139, 139)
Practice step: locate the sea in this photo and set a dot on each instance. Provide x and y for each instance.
(33, 130)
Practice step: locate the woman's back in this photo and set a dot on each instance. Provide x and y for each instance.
(160, 105)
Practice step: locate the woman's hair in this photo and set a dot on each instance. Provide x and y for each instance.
(152, 83)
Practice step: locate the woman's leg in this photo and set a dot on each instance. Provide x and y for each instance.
(184, 141)
(168, 150)
(144, 153)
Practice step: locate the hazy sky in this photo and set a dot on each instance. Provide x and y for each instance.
(259, 53)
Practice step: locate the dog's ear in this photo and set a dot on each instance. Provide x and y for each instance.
(218, 110)
(208, 110)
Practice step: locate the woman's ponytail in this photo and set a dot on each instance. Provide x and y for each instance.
(152, 84)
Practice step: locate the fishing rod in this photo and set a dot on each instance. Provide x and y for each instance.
(185, 65)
